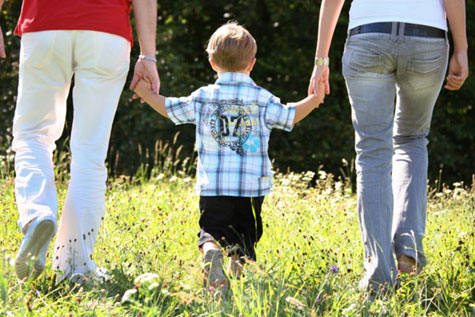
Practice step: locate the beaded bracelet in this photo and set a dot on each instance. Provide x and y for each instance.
(148, 58)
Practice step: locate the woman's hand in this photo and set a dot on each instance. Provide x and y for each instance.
(320, 73)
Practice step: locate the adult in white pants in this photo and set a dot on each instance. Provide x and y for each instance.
(58, 44)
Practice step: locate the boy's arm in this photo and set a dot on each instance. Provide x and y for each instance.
(157, 102)
(305, 106)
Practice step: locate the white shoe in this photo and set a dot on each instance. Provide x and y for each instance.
(31, 257)
(100, 276)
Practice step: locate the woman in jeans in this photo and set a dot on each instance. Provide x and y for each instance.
(394, 65)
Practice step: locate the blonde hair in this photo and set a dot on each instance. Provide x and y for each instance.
(232, 47)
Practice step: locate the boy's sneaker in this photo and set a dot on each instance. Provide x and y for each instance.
(31, 257)
(215, 278)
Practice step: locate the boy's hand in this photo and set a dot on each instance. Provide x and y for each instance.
(142, 90)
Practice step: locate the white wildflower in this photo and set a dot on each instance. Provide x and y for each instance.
(128, 295)
(146, 278)
(322, 174)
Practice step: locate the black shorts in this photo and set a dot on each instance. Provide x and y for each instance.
(234, 222)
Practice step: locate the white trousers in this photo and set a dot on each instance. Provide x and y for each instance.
(48, 60)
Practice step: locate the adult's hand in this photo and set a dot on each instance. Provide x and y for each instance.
(2, 46)
(329, 13)
(146, 70)
(458, 70)
(458, 66)
(145, 12)
(320, 73)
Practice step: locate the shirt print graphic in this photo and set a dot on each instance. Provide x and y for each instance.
(231, 124)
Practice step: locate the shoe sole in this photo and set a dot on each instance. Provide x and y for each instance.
(31, 248)
(215, 273)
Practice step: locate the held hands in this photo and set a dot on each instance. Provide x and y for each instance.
(320, 74)
(146, 70)
(305, 106)
(143, 90)
(458, 70)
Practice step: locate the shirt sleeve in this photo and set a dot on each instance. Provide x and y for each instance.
(279, 116)
(181, 110)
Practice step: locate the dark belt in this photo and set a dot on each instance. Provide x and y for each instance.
(409, 29)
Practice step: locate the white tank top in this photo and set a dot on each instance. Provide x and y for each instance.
(425, 12)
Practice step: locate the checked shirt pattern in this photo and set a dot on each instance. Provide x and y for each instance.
(234, 118)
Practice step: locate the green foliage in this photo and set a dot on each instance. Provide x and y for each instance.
(309, 260)
(286, 33)
(8, 74)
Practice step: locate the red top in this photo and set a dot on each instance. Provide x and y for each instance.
(110, 16)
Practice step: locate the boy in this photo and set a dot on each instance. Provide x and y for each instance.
(234, 118)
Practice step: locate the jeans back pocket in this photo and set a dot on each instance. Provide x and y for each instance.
(424, 72)
(357, 63)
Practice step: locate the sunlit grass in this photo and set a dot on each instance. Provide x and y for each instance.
(309, 260)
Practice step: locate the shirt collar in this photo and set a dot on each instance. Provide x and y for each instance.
(233, 78)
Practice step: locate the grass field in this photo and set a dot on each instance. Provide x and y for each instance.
(309, 259)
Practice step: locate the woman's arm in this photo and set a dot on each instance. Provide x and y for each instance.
(458, 66)
(2, 46)
(329, 13)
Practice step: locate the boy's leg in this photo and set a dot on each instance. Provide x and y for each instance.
(210, 245)
(212, 223)
(235, 222)
(44, 80)
(248, 225)
(247, 230)
(102, 63)
(235, 266)
(213, 266)
(215, 278)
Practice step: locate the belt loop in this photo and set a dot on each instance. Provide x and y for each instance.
(402, 27)
(394, 30)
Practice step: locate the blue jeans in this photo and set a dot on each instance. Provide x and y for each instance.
(393, 82)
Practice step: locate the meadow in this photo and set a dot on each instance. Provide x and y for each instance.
(309, 260)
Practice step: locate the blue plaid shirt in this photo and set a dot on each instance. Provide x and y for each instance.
(234, 118)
